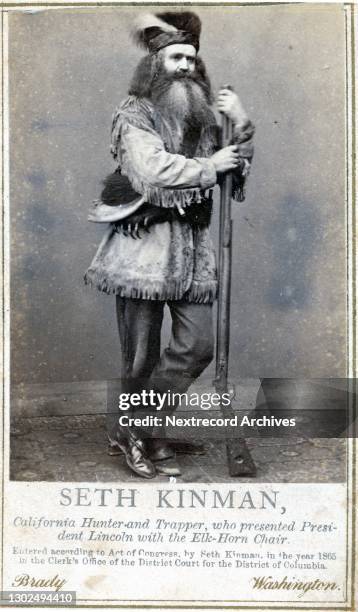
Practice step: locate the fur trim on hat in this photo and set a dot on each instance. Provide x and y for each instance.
(185, 21)
(154, 32)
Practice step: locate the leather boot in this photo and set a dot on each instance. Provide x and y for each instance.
(163, 456)
(163, 449)
(134, 452)
(159, 449)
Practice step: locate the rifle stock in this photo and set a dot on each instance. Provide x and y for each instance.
(240, 462)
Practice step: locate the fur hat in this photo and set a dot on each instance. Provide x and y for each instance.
(154, 32)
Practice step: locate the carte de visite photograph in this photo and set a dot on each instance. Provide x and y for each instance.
(178, 227)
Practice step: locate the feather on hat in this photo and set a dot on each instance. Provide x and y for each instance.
(154, 32)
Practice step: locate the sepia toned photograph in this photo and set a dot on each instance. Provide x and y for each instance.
(179, 305)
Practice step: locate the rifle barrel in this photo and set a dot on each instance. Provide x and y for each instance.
(240, 462)
(225, 232)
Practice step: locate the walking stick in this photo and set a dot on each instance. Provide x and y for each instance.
(239, 460)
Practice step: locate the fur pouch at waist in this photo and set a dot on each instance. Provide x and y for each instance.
(197, 215)
(118, 190)
(118, 200)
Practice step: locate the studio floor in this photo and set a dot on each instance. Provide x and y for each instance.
(74, 448)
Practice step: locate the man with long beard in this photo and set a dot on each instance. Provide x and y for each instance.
(158, 249)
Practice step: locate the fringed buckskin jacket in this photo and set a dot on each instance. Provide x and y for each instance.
(173, 261)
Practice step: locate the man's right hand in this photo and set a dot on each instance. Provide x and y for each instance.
(226, 159)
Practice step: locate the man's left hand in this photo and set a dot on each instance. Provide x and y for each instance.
(228, 102)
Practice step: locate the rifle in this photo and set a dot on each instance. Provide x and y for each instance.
(239, 460)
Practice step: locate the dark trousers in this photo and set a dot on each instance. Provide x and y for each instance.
(189, 352)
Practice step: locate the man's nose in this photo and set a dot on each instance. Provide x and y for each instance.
(183, 65)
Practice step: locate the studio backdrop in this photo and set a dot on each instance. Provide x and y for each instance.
(69, 69)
